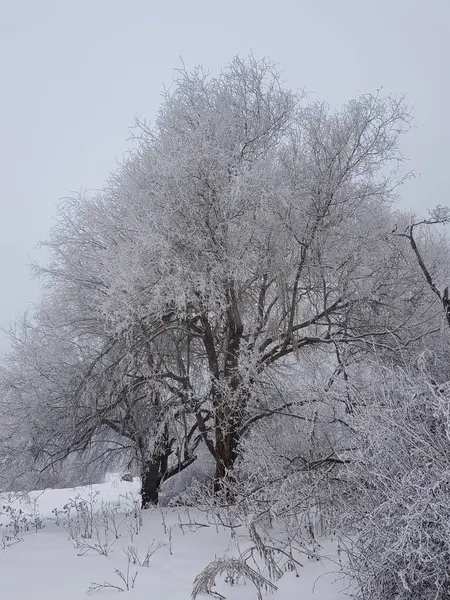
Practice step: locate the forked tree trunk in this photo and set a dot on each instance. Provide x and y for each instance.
(156, 471)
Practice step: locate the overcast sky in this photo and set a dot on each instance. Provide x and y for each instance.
(74, 73)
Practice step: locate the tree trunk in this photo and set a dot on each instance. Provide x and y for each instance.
(227, 439)
(151, 480)
(155, 470)
(229, 409)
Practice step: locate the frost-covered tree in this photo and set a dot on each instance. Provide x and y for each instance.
(263, 219)
(249, 226)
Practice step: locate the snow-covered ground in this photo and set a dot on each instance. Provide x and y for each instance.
(45, 556)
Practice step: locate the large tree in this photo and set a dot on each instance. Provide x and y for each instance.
(249, 225)
(260, 226)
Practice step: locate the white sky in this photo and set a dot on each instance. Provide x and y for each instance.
(74, 73)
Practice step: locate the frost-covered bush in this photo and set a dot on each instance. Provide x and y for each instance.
(287, 461)
(400, 514)
(291, 462)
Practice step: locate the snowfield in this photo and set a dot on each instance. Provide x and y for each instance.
(62, 543)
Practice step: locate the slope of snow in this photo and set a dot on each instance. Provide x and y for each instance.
(52, 561)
